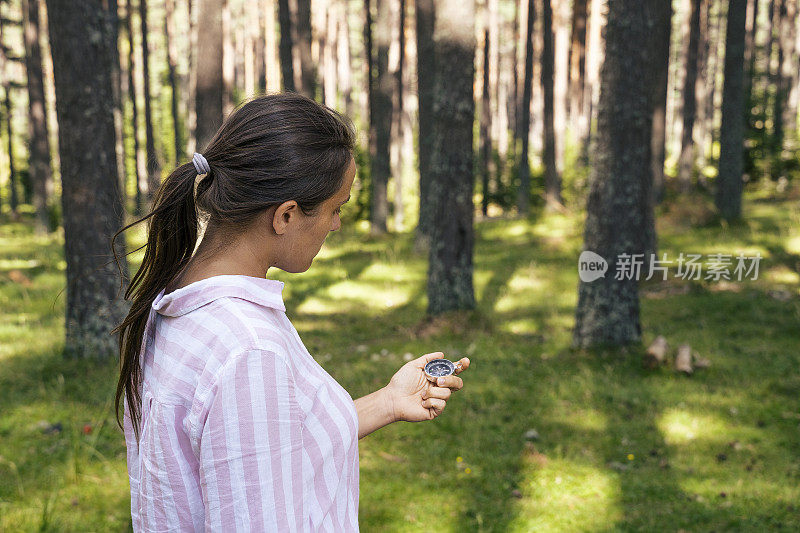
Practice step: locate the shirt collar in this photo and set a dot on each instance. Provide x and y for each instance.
(261, 291)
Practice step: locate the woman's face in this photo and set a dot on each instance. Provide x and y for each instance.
(306, 240)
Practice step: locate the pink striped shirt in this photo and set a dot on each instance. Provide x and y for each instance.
(242, 430)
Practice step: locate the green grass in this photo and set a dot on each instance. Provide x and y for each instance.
(621, 448)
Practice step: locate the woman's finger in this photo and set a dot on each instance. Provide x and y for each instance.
(437, 392)
(464, 365)
(435, 403)
(451, 382)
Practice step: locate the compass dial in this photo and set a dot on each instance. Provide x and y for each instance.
(439, 367)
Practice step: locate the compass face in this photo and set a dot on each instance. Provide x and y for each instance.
(439, 367)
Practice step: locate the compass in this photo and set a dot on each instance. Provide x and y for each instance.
(440, 367)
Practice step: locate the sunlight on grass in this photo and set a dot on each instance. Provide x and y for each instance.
(782, 274)
(793, 245)
(680, 426)
(567, 496)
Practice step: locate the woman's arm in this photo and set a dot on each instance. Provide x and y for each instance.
(374, 411)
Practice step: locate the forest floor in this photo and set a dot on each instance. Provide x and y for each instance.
(617, 447)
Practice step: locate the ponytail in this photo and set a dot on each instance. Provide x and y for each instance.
(171, 238)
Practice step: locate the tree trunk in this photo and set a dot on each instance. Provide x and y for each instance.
(785, 118)
(251, 62)
(286, 45)
(272, 59)
(450, 258)
(153, 164)
(40, 172)
(91, 197)
(519, 47)
(619, 216)
(750, 56)
(686, 160)
(228, 60)
(552, 179)
(139, 159)
(714, 60)
(524, 169)
(307, 67)
(398, 110)
(701, 89)
(496, 112)
(119, 117)
(260, 46)
(169, 35)
(191, 89)
(327, 41)
(594, 58)
(485, 121)
(729, 181)
(209, 94)
(344, 58)
(6, 82)
(792, 70)
(661, 35)
(381, 119)
(561, 21)
(426, 71)
(577, 69)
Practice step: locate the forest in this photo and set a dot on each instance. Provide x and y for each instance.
(597, 201)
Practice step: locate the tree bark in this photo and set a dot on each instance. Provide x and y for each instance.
(750, 54)
(153, 164)
(728, 196)
(286, 45)
(792, 71)
(594, 58)
(619, 207)
(139, 158)
(209, 93)
(524, 169)
(398, 109)
(191, 89)
(119, 116)
(426, 71)
(686, 160)
(561, 22)
(485, 121)
(381, 119)
(552, 179)
(228, 60)
(450, 258)
(169, 35)
(577, 69)
(701, 89)
(785, 115)
(661, 35)
(40, 172)
(344, 58)
(307, 67)
(6, 83)
(91, 197)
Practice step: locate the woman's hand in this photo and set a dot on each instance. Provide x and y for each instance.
(413, 397)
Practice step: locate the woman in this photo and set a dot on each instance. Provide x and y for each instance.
(229, 422)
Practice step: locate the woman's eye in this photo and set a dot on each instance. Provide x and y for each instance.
(338, 210)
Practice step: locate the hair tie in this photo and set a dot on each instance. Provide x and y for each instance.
(200, 164)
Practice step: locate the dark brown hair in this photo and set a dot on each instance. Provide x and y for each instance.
(271, 149)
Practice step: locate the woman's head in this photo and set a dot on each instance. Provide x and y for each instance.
(280, 164)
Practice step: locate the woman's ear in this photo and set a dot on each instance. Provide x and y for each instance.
(285, 214)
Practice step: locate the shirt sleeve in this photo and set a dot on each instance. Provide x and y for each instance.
(251, 448)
